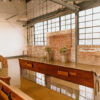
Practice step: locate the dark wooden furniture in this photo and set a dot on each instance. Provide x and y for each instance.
(6, 80)
(77, 76)
(6, 93)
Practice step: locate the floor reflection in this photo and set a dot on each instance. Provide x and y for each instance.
(82, 93)
(79, 93)
(14, 72)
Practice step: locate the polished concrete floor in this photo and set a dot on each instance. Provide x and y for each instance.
(40, 92)
(30, 88)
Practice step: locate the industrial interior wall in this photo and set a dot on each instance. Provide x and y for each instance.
(13, 39)
(89, 54)
(56, 41)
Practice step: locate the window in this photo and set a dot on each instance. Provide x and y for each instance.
(68, 22)
(89, 26)
(53, 25)
(39, 34)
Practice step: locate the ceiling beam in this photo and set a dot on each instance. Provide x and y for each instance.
(89, 4)
(27, 1)
(73, 7)
(51, 15)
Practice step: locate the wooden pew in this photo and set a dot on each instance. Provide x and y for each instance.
(6, 80)
(10, 93)
(4, 62)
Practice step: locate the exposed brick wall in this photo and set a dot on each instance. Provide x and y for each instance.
(89, 55)
(57, 40)
(86, 54)
(36, 51)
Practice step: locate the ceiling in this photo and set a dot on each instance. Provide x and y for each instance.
(14, 10)
(28, 0)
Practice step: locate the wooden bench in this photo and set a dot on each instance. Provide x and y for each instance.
(10, 93)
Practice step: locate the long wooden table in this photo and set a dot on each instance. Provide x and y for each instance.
(69, 72)
(82, 74)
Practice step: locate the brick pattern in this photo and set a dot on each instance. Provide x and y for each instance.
(36, 51)
(89, 54)
(86, 54)
(58, 40)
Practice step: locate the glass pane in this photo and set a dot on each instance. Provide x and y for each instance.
(45, 26)
(73, 21)
(68, 16)
(49, 21)
(73, 15)
(81, 19)
(57, 24)
(96, 9)
(62, 17)
(81, 25)
(82, 42)
(96, 41)
(57, 28)
(88, 42)
(45, 22)
(88, 18)
(89, 11)
(96, 22)
(45, 31)
(96, 35)
(82, 36)
(62, 27)
(96, 29)
(81, 31)
(53, 25)
(68, 21)
(49, 30)
(53, 20)
(88, 30)
(73, 26)
(96, 16)
(49, 25)
(89, 36)
(57, 19)
(82, 13)
(53, 29)
(89, 24)
(68, 27)
(62, 22)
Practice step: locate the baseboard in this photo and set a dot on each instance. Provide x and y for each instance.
(16, 56)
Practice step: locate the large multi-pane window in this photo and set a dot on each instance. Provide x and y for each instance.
(89, 26)
(68, 22)
(39, 34)
(42, 28)
(53, 25)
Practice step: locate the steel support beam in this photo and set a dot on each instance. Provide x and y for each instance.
(73, 7)
(76, 35)
(89, 4)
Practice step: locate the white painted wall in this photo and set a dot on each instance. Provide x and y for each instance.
(12, 39)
